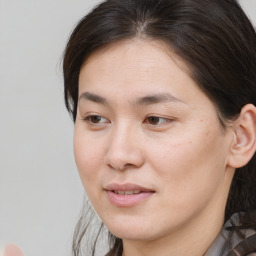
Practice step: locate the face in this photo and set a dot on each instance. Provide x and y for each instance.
(148, 144)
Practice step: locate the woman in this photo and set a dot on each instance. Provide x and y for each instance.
(163, 95)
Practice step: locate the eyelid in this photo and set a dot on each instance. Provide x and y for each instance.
(103, 120)
(165, 120)
(88, 116)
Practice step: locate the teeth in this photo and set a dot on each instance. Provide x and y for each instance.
(127, 192)
(120, 192)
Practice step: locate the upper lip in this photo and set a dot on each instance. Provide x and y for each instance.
(126, 187)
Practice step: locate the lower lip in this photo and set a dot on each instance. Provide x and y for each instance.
(127, 200)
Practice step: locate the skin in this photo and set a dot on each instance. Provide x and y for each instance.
(12, 250)
(184, 156)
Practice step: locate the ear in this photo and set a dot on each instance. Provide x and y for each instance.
(244, 143)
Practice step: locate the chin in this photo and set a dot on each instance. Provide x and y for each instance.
(132, 230)
(132, 234)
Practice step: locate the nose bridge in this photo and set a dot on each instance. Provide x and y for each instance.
(124, 149)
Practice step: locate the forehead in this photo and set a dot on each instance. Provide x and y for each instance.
(144, 51)
(129, 71)
(137, 63)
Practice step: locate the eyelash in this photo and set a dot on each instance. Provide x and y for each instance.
(89, 119)
(151, 120)
(157, 118)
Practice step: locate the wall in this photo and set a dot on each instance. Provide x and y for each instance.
(40, 191)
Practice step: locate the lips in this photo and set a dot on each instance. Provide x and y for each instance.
(127, 187)
(120, 192)
(127, 195)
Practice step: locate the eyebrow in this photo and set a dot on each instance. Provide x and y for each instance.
(93, 97)
(157, 98)
(146, 100)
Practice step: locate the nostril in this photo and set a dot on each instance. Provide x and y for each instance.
(121, 158)
(128, 165)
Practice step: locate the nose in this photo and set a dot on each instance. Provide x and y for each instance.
(124, 149)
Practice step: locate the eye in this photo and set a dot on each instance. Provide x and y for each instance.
(96, 119)
(156, 120)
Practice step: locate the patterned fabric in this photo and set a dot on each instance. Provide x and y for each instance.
(242, 243)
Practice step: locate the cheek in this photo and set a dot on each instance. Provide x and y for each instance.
(190, 166)
(89, 156)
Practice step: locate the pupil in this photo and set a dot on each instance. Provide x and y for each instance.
(95, 119)
(153, 120)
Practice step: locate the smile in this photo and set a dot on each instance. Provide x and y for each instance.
(127, 192)
(127, 195)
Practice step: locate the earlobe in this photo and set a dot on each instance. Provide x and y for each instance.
(244, 143)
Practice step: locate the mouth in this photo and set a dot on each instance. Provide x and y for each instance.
(120, 192)
(127, 195)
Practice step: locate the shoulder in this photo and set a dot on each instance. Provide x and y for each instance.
(235, 239)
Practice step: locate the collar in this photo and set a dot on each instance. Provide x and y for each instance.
(242, 242)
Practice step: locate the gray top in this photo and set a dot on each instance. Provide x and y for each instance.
(242, 243)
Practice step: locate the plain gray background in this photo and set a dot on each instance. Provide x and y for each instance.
(40, 191)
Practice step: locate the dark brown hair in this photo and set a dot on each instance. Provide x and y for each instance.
(213, 37)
